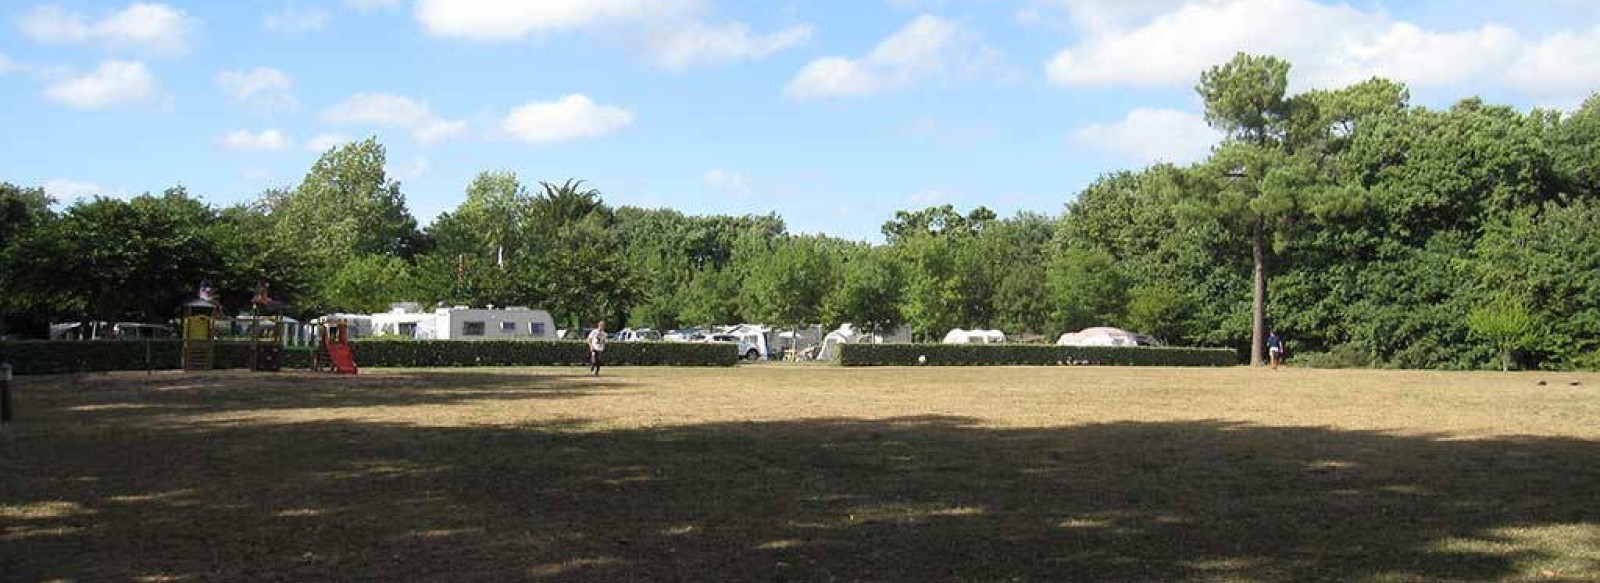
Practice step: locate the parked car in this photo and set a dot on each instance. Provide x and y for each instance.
(638, 335)
(748, 348)
(685, 335)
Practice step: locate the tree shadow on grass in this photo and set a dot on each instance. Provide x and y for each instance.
(903, 499)
(109, 397)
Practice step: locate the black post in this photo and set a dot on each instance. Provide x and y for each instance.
(5, 392)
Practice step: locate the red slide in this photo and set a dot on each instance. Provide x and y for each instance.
(339, 353)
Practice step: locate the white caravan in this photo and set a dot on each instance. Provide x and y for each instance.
(959, 336)
(513, 323)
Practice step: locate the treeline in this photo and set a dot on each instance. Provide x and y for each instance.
(1383, 234)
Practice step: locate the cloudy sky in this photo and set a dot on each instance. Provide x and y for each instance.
(833, 113)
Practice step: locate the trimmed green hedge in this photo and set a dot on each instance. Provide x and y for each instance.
(58, 357)
(1031, 354)
(432, 353)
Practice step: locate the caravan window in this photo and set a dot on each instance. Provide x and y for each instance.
(510, 327)
(472, 328)
(536, 328)
(408, 329)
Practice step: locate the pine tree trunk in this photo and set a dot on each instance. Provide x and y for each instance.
(1258, 309)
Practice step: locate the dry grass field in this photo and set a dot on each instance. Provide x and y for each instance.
(798, 473)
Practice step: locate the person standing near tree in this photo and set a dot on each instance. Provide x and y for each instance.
(1275, 349)
(597, 347)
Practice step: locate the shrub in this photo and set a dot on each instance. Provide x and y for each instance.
(1031, 354)
(58, 357)
(1347, 355)
(445, 353)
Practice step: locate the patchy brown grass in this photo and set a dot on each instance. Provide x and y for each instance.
(799, 473)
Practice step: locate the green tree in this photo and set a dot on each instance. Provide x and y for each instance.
(1550, 256)
(932, 294)
(1575, 147)
(1086, 289)
(109, 259)
(1505, 323)
(368, 284)
(712, 298)
(868, 293)
(1158, 310)
(22, 211)
(346, 207)
(787, 286)
(1014, 252)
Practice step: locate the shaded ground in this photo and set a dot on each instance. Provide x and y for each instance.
(804, 474)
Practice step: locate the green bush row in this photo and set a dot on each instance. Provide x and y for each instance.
(59, 357)
(1031, 354)
(440, 353)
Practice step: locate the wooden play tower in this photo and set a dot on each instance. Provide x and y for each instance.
(199, 335)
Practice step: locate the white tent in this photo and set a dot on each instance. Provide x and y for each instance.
(829, 349)
(1102, 336)
(959, 336)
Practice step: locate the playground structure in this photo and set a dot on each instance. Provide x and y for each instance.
(336, 341)
(199, 336)
(266, 332)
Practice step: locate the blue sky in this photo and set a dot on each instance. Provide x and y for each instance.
(832, 113)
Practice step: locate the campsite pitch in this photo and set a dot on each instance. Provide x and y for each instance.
(798, 473)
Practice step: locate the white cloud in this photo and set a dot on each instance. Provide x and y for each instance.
(929, 198)
(67, 191)
(1167, 43)
(682, 47)
(269, 140)
(114, 83)
(729, 183)
(927, 47)
(834, 77)
(1329, 45)
(257, 174)
(324, 142)
(6, 64)
(1566, 64)
(1152, 135)
(412, 170)
(572, 117)
(387, 109)
(291, 19)
(263, 88)
(370, 5)
(1094, 15)
(513, 19)
(154, 28)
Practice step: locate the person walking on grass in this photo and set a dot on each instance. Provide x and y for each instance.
(1275, 349)
(597, 347)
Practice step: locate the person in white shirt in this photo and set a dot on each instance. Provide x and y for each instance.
(597, 347)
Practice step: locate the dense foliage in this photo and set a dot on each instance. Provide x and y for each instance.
(1030, 355)
(435, 353)
(34, 357)
(1364, 230)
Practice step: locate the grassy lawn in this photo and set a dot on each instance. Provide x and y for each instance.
(796, 473)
